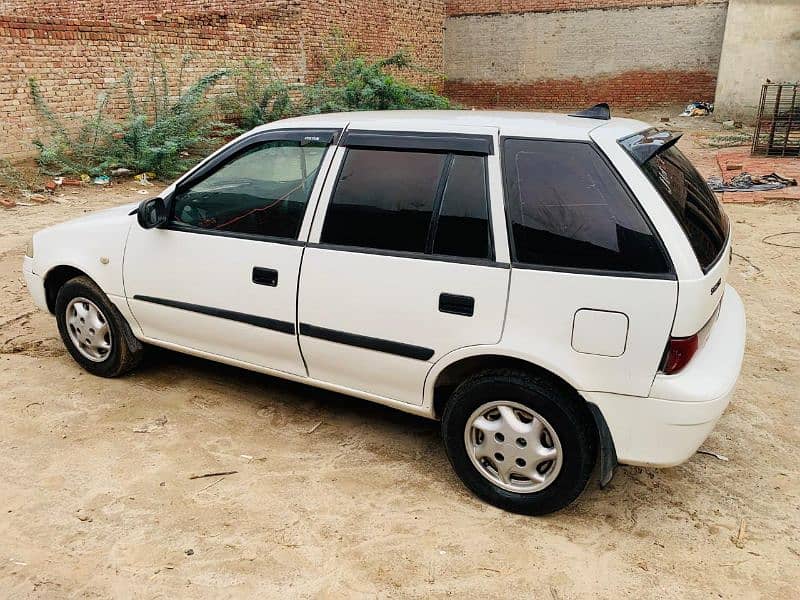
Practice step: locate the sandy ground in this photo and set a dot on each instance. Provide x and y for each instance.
(335, 497)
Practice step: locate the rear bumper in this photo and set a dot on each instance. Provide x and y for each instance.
(35, 284)
(666, 428)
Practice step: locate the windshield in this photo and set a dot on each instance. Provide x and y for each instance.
(691, 201)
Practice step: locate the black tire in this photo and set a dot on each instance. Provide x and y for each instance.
(566, 413)
(126, 351)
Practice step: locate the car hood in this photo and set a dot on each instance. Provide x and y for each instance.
(107, 216)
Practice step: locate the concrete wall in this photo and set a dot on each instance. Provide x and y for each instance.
(762, 41)
(634, 56)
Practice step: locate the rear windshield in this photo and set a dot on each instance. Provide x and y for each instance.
(691, 201)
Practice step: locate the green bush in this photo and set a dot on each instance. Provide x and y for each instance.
(168, 130)
(158, 133)
(259, 96)
(350, 82)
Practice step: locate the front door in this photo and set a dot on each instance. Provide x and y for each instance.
(401, 266)
(221, 276)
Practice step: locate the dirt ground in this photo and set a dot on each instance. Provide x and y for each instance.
(335, 497)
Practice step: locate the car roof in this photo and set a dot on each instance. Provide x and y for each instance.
(509, 123)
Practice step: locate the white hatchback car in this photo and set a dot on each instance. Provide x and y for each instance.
(551, 287)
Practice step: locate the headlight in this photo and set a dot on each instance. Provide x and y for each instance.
(29, 249)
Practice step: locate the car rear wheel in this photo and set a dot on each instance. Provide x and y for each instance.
(94, 332)
(519, 441)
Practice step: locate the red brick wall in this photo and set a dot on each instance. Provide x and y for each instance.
(485, 7)
(634, 89)
(81, 50)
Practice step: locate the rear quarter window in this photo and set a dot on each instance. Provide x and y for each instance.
(567, 209)
(691, 201)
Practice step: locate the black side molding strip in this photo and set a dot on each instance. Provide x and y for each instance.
(465, 143)
(363, 341)
(263, 322)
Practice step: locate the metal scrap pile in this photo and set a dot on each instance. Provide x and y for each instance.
(744, 182)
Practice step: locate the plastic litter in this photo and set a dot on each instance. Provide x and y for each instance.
(698, 109)
(102, 180)
(144, 178)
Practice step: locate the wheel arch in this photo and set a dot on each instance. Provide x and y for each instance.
(54, 280)
(444, 378)
(447, 374)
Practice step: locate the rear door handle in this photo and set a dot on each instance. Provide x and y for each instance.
(456, 305)
(262, 276)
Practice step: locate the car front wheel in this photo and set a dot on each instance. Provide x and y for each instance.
(519, 441)
(93, 330)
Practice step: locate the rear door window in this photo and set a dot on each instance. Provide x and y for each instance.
(463, 225)
(384, 200)
(568, 210)
(691, 201)
(432, 203)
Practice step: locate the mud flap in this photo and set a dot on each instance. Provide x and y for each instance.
(608, 454)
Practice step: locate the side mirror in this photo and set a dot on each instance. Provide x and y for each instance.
(152, 213)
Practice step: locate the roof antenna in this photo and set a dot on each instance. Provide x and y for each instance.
(598, 111)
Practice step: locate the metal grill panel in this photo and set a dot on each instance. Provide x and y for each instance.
(778, 124)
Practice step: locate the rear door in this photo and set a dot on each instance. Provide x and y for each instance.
(401, 267)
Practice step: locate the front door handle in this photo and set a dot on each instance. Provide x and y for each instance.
(457, 305)
(262, 276)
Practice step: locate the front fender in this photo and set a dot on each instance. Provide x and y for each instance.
(94, 244)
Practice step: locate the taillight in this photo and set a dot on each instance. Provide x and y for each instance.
(679, 352)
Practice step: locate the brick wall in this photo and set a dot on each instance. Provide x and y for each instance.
(80, 50)
(565, 53)
(483, 7)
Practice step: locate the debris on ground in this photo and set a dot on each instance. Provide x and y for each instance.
(730, 124)
(150, 427)
(144, 178)
(121, 172)
(188, 552)
(101, 180)
(220, 474)
(738, 539)
(83, 516)
(7, 202)
(714, 454)
(315, 427)
(745, 182)
(698, 109)
(70, 181)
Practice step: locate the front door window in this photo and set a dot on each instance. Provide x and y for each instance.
(263, 191)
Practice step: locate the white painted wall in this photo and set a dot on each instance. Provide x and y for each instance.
(584, 44)
(762, 41)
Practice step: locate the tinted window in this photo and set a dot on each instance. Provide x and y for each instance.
(463, 225)
(263, 190)
(384, 200)
(568, 209)
(691, 201)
